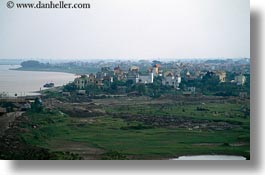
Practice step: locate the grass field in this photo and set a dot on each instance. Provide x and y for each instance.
(91, 137)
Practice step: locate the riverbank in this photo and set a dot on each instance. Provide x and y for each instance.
(61, 69)
(211, 157)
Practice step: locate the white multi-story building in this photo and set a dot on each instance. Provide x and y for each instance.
(240, 79)
(146, 79)
(170, 79)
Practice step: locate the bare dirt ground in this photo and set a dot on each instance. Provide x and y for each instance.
(173, 122)
(95, 106)
(6, 119)
(84, 109)
(131, 101)
(170, 99)
(82, 149)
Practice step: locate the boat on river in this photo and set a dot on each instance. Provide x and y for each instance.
(48, 85)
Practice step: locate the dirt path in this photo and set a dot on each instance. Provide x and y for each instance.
(6, 119)
(83, 149)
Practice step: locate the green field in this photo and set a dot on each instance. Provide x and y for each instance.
(135, 139)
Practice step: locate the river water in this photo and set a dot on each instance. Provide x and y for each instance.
(210, 157)
(28, 82)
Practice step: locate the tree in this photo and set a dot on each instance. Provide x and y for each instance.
(37, 105)
(129, 83)
(32, 64)
(210, 82)
(70, 87)
(141, 89)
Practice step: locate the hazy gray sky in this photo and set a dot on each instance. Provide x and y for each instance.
(129, 29)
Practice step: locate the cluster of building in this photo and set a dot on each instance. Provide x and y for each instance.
(92, 79)
(170, 76)
(107, 76)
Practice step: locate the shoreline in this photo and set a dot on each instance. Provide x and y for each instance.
(22, 83)
(42, 70)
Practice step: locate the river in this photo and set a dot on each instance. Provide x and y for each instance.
(25, 83)
(210, 157)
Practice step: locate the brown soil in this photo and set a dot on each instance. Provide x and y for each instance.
(86, 109)
(180, 122)
(7, 119)
(84, 150)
